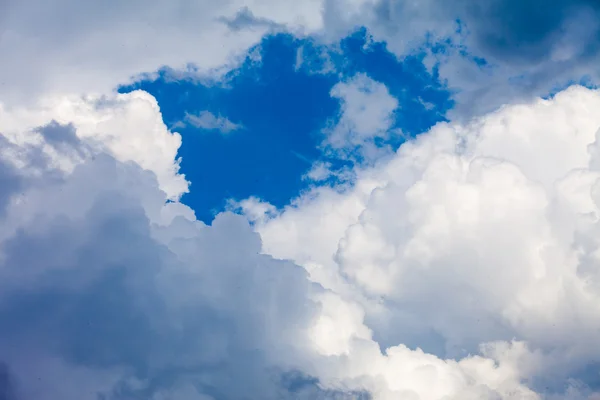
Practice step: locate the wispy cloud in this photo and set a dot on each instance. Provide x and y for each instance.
(209, 121)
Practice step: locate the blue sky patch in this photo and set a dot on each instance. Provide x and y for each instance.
(258, 134)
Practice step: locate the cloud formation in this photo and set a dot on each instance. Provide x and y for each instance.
(86, 48)
(463, 266)
(471, 234)
(128, 126)
(110, 290)
(500, 50)
(538, 43)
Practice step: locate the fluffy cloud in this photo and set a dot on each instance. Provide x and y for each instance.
(472, 236)
(128, 126)
(464, 267)
(109, 290)
(366, 114)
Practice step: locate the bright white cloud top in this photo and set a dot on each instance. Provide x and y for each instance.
(463, 266)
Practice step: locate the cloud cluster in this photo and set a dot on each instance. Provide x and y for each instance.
(529, 45)
(472, 236)
(75, 47)
(111, 290)
(464, 266)
(108, 290)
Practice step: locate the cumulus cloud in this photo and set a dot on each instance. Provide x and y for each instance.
(128, 126)
(473, 235)
(463, 267)
(109, 291)
(110, 288)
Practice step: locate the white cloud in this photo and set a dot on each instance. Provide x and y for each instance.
(128, 126)
(106, 288)
(366, 113)
(319, 171)
(210, 121)
(74, 47)
(471, 234)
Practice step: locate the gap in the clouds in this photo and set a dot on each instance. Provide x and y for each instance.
(267, 115)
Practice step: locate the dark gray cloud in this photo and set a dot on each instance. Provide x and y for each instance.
(531, 47)
(512, 31)
(528, 31)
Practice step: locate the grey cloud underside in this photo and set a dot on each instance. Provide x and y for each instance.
(98, 302)
(12, 180)
(525, 31)
(513, 31)
(530, 46)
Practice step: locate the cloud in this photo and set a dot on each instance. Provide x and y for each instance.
(109, 290)
(209, 121)
(127, 126)
(524, 59)
(320, 171)
(529, 47)
(463, 267)
(244, 18)
(526, 32)
(473, 235)
(83, 48)
(366, 114)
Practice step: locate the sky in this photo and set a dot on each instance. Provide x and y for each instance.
(281, 95)
(318, 199)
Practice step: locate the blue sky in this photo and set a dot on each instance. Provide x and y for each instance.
(282, 110)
